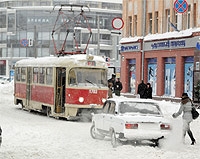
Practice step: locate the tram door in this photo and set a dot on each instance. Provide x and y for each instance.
(28, 85)
(60, 90)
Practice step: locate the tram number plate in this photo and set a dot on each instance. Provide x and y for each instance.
(93, 91)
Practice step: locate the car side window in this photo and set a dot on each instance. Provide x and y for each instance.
(106, 107)
(112, 108)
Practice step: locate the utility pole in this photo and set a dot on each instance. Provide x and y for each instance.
(98, 36)
(143, 34)
(35, 42)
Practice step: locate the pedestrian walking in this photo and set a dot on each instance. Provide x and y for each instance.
(185, 108)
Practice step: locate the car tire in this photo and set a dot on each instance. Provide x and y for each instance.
(114, 141)
(94, 134)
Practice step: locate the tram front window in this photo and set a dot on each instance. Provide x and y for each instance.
(88, 77)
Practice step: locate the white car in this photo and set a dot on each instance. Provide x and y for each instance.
(130, 120)
(4, 79)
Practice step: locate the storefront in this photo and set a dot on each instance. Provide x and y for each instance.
(166, 62)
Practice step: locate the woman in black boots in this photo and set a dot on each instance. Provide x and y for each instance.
(186, 107)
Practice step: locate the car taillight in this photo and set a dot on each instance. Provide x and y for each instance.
(131, 126)
(165, 127)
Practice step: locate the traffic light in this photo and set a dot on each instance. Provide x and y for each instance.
(30, 42)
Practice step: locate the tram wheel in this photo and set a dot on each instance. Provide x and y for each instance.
(48, 111)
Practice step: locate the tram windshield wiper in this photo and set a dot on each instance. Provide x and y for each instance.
(94, 84)
(90, 82)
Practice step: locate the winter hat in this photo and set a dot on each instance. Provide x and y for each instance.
(184, 95)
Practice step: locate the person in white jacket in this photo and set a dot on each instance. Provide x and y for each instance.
(185, 108)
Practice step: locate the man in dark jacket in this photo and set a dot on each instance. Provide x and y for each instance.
(118, 87)
(142, 89)
(112, 80)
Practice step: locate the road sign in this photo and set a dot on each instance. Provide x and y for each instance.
(117, 23)
(24, 42)
(180, 6)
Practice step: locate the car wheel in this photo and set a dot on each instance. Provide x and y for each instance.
(113, 139)
(94, 134)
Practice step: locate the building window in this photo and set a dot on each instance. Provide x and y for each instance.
(175, 19)
(194, 15)
(188, 16)
(135, 25)
(167, 12)
(156, 22)
(150, 23)
(130, 26)
(3, 19)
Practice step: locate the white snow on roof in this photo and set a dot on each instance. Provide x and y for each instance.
(167, 35)
(58, 61)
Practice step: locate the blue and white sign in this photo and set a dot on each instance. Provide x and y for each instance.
(198, 46)
(180, 6)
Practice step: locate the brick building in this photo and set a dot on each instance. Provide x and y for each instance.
(158, 46)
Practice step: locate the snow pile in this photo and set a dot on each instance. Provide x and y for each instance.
(29, 135)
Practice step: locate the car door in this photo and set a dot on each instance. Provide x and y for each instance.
(109, 117)
(99, 118)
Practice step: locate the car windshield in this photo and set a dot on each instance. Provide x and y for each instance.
(139, 107)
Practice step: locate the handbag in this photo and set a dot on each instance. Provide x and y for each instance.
(195, 113)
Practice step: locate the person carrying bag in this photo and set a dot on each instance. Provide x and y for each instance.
(186, 108)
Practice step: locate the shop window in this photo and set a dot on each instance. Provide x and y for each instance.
(132, 76)
(188, 75)
(170, 76)
(152, 74)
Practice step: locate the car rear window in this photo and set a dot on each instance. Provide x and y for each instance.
(139, 107)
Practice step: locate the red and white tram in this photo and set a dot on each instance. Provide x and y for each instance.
(65, 86)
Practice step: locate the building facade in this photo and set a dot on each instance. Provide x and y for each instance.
(159, 45)
(26, 29)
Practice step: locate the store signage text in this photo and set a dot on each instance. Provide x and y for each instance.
(168, 44)
(129, 48)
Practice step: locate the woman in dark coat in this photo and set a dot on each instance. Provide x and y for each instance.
(149, 91)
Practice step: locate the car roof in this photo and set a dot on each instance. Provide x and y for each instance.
(122, 99)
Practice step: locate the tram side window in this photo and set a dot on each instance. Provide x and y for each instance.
(49, 75)
(18, 74)
(72, 77)
(41, 75)
(35, 75)
(23, 74)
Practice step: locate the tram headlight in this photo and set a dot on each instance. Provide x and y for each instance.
(103, 100)
(81, 99)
